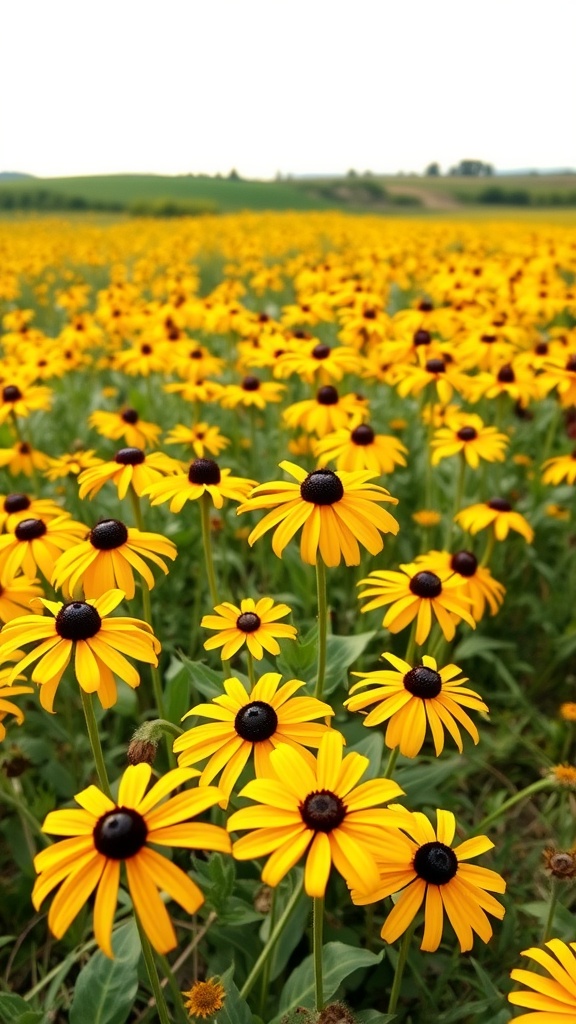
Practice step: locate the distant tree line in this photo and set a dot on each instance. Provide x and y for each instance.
(464, 169)
(43, 200)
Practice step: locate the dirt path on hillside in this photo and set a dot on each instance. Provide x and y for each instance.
(430, 198)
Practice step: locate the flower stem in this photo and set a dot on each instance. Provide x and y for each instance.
(251, 673)
(94, 737)
(389, 770)
(207, 544)
(7, 797)
(411, 648)
(534, 787)
(458, 495)
(272, 940)
(489, 548)
(400, 965)
(549, 926)
(317, 952)
(153, 975)
(322, 625)
(266, 972)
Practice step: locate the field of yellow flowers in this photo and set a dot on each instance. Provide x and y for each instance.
(287, 591)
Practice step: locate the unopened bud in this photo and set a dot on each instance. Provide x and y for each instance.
(141, 751)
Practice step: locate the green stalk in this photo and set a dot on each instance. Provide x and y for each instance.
(534, 787)
(400, 965)
(266, 972)
(549, 926)
(23, 812)
(389, 770)
(94, 737)
(22, 440)
(457, 500)
(207, 544)
(272, 940)
(489, 548)
(251, 673)
(153, 975)
(322, 625)
(318, 903)
(411, 648)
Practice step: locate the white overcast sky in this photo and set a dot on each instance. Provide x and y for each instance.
(297, 86)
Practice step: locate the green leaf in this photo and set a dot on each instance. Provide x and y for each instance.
(298, 658)
(374, 1017)
(107, 986)
(341, 652)
(371, 746)
(235, 1009)
(338, 960)
(206, 680)
(15, 1010)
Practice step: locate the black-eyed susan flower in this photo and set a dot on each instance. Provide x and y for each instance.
(417, 593)
(472, 440)
(37, 543)
(107, 559)
(130, 467)
(205, 998)
(359, 448)
(16, 506)
(7, 706)
(16, 594)
(251, 722)
(327, 412)
(126, 424)
(496, 512)
(201, 437)
(437, 372)
(320, 811)
(71, 464)
(254, 623)
(20, 399)
(314, 360)
(478, 583)
(429, 871)
(103, 835)
(23, 459)
(552, 999)
(204, 476)
(411, 698)
(99, 643)
(561, 467)
(251, 392)
(336, 510)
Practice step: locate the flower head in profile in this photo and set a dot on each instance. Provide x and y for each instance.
(478, 583)
(204, 476)
(317, 809)
(99, 643)
(16, 594)
(426, 869)
(37, 543)
(8, 690)
(20, 399)
(496, 512)
(108, 558)
(412, 698)
(103, 835)
(17, 506)
(204, 998)
(23, 459)
(126, 425)
(201, 438)
(417, 593)
(336, 510)
(245, 723)
(129, 467)
(472, 440)
(251, 391)
(71, 464)
(560, 468)
(552, 998)
(360, 448)
(254, 623)
(327, 412)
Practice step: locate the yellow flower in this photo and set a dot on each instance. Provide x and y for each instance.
(204, 998)
(336, 510)
(204, 476)
(246, 723)
(568, 711)
(21, 399)
(553, 998)
(130, 466)
(201, 438)
(22, 458)
(253, 623)
(127, 425)
(427, 517)
(473, 440)
(411, 698)
(478, 583)
(496, 512)
(38, 543)
(99, 644)
(16, 594)
(564, 775)
(327, 412)
(561, 467)
(360, 449)
(7, 707)
(251, 391)
(71, 464)
(103, 835)
(16, 506)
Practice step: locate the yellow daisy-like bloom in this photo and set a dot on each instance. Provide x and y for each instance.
(416, 593)
(563, 775)
(561, 467)
(568, 711)
(496, 512)
(251, 722)
(131, 466)
(127, 425)
(427, 517)
(16, 594)
(254, 623)
(38, 543)
(314, 359)
(411, 698)
(360, 449)
(204, 476)
(437, 371)
(108, 558)
(336, 510)
(204, 998)
(552, 999)
(16, 506)
(251, 391)
(327, 412)
(478, 583)
(103, 835)
(319, 810)
(427, 870)
(7, 707)
(473, 440)
(22, 399)
(201, 438)
(99, 644)
(22, 458)
(71, 464)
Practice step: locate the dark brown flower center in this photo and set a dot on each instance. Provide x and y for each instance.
(435, 365)
(541, 349)
(120, 834)
(467, 434)
(464, 563)
(362, 435)
(30, 529)
(248, 622)
(204, 471)
(17, 502)
(426, 584)
(426, 306)
(327, 395)
(422, 337)
(130, 416)
(488, 339)
(24, 448)
(499, 505)
(11, 393)
(250, 384)
(77, 620)
(571, 364)
(423, 682)
(506, 375)
(108, 534)
(146, 350)
(256, 721)
(322, 811)
(435, 863)
(130, 456)
(321, 351)
(322, 487)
